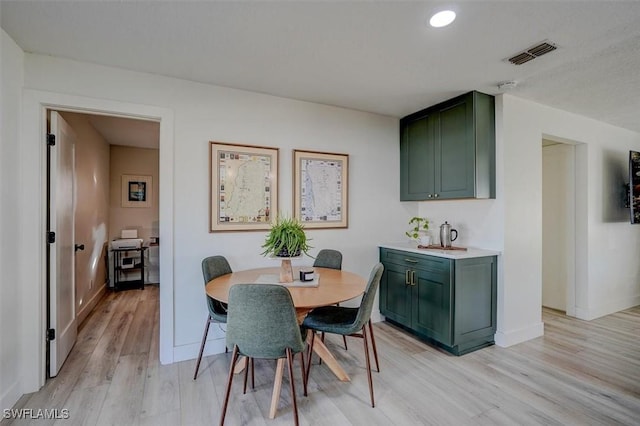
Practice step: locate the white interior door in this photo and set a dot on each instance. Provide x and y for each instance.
(62, 315)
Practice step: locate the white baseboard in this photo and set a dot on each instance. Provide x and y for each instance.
(88, 307)
(10, 396)
(506, 339)
(376, 316)
(187, 352)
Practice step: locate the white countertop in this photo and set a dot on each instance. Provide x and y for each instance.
(471, 252)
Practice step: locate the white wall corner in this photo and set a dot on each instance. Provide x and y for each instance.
(610, 307)
(506, 339)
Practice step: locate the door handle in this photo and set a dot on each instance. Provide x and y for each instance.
(79, 247)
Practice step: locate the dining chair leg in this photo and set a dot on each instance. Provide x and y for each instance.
(293, 387)
(234, 359)
(322, 336)
(246, 374)
(373, 343)
(322, 339)
(366, 357)
(304, 375)
(313, 338)
(253, 376)
(204, 340)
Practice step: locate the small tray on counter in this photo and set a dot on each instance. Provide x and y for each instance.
(436, 247)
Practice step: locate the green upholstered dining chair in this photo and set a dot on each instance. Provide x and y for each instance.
(262, 324)
(328, 258)
(348, 321)
(212, 267)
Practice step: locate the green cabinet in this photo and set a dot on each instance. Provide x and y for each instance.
(447, 151)
(449, 302)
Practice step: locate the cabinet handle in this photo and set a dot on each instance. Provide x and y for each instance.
(436, 195)
(411, 261)
(406, 277)
(413, 277)
(429, 195)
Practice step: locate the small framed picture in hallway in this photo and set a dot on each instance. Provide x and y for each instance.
(136, 191)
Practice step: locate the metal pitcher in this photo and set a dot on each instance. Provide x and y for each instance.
(447, 235)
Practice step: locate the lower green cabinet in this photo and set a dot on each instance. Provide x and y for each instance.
(449, 302)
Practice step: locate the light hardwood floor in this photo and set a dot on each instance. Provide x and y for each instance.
(579, 373)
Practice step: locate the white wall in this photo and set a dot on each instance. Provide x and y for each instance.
(613, 245)
(204, 113)
(11, 79)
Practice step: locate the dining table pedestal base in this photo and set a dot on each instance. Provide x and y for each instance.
(286, 271)
(323, 352)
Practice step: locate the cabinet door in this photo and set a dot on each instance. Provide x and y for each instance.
(431, 307)
(475, 299)
(455, 150)
(417, 153)
(395, 294)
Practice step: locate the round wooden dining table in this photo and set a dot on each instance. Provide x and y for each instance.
(333, 286)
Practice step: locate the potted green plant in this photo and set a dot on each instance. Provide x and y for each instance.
(286, 239)
(418, 232)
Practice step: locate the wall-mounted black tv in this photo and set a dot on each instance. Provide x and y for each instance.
(634, 186)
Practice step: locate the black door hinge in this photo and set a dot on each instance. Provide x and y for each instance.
(51, 139)
(51, 237)
(51, 334)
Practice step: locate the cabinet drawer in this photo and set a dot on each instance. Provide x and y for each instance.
(414, 260)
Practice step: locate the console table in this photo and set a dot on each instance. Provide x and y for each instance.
(128, 268)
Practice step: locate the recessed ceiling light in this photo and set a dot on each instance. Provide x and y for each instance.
(442, 19)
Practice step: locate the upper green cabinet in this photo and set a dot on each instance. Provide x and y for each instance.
(447, 151)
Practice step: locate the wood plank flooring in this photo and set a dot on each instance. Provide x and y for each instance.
(579, 373)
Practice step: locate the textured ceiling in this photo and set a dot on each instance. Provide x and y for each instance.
(371, 56)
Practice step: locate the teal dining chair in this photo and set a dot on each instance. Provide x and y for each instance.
(330, 258)
(212, 267)
(348, 321)
(262, 324)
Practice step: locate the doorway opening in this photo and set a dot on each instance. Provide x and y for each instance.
(107, 149)
(564, 229)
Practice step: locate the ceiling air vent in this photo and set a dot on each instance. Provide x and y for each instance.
(532, 53)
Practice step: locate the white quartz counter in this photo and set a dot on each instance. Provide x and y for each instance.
(449, 254)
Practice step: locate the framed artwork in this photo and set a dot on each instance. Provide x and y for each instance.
(137, 191)
(244, 187)
(320, 189)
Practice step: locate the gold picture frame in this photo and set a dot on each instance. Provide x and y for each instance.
(137, 191)
(244, 187)
(321, 189)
